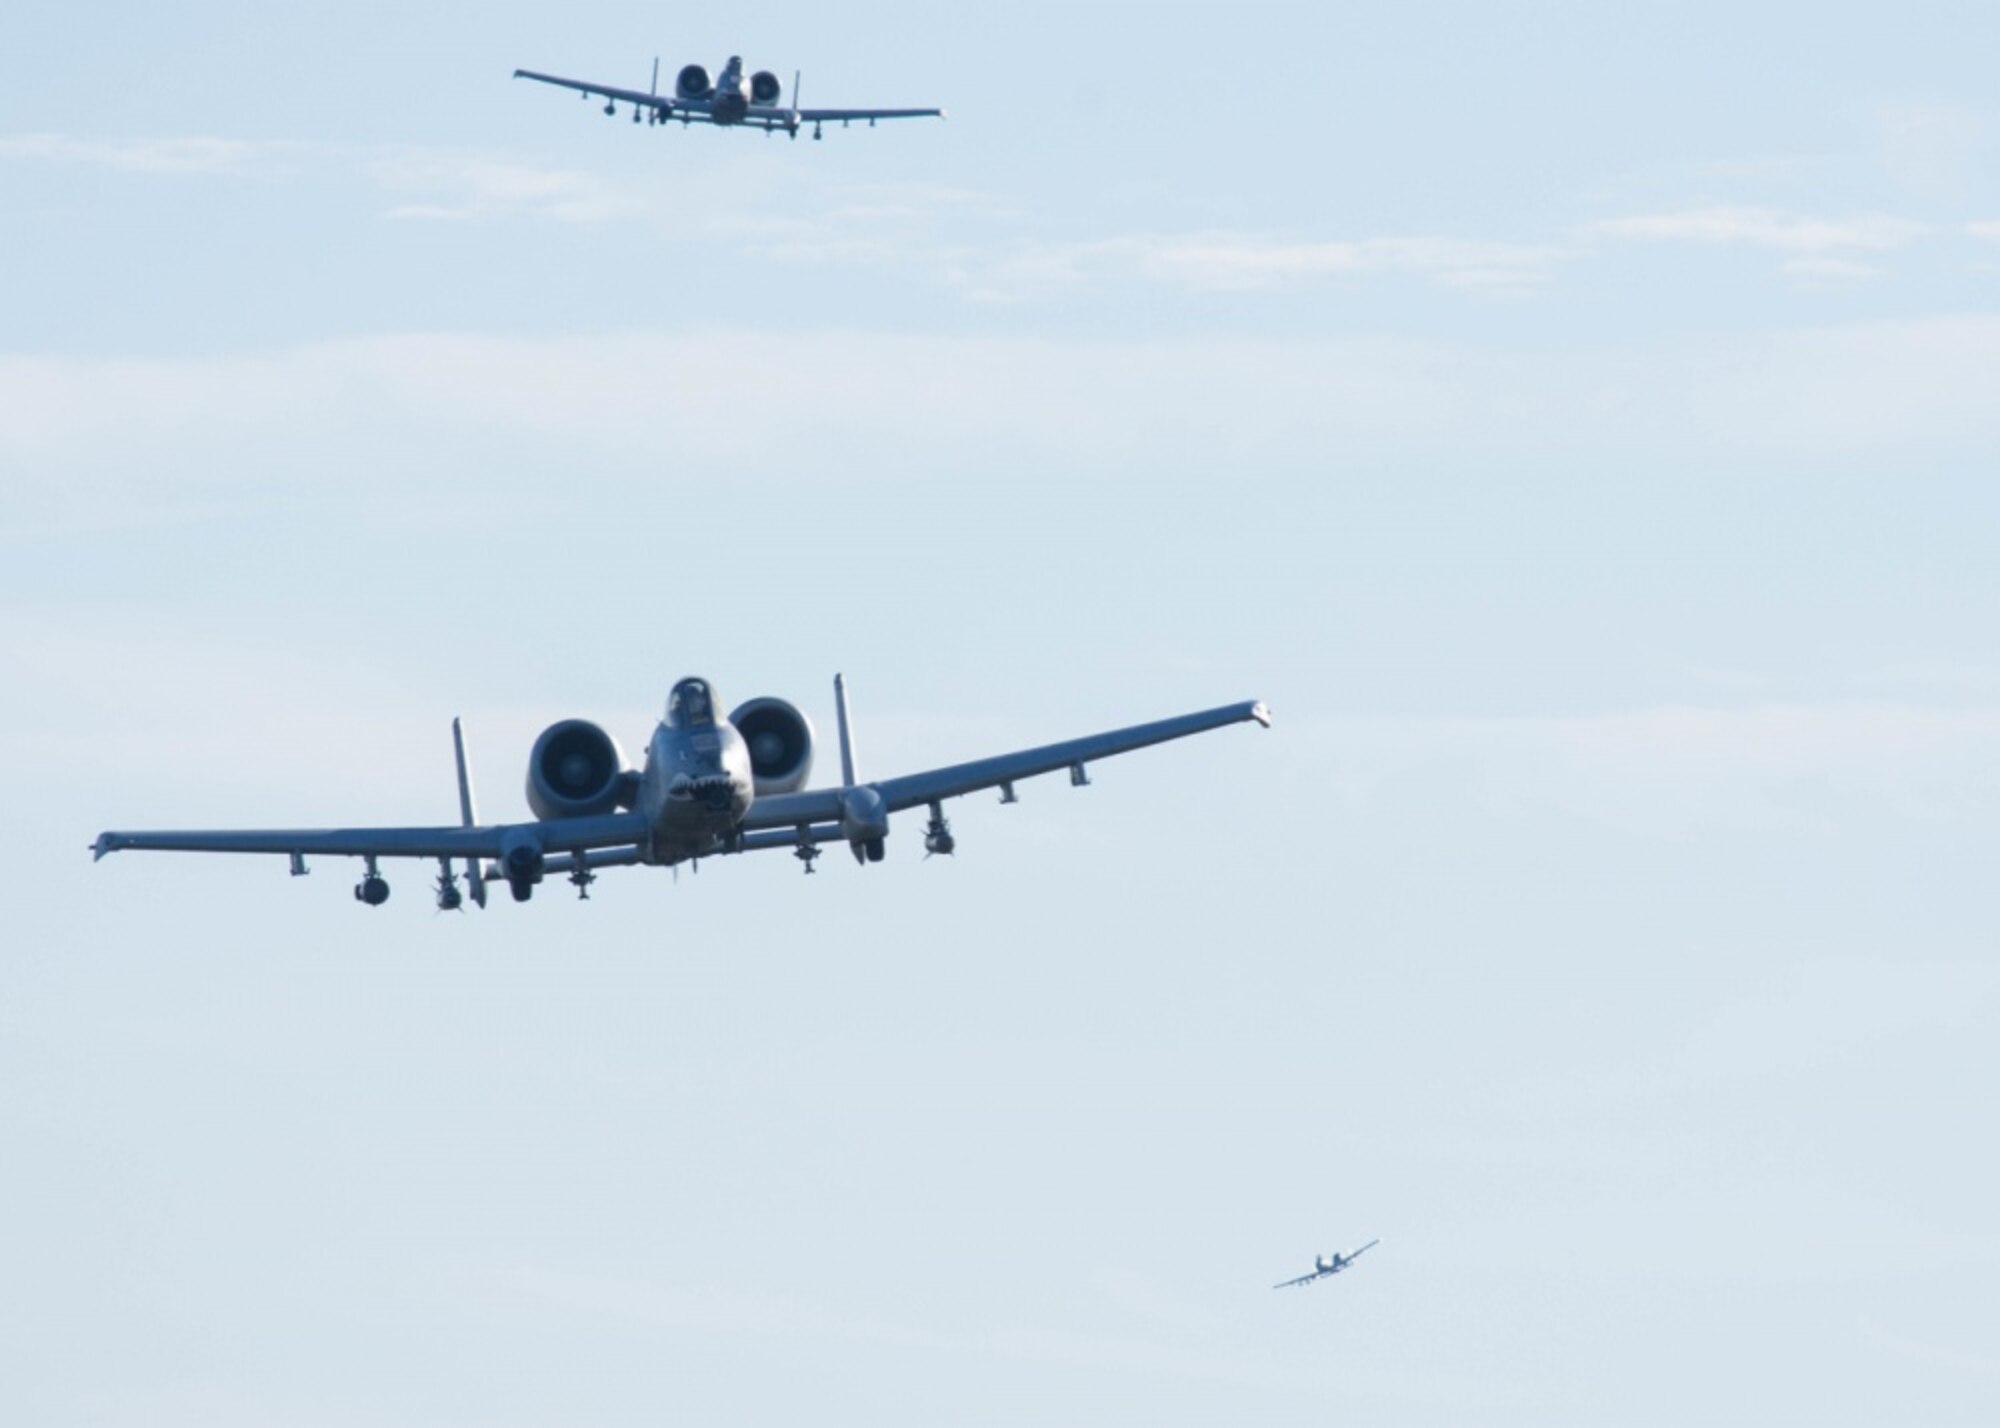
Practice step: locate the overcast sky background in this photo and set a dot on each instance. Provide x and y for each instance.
(1578, 424)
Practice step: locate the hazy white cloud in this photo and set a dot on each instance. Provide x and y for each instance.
(1832, 1008)
(1248, 262)
(1808, 272)
(1011, 267)
(1988, 229)
(1216, 263)
(782, 213)
(1684, 770)
(736, 1313)
(1940, 675)
(980, 244)
(182, 156)
(846, 406)
(1831, 394)
(423, 183)
(1796, 1016)
(1798, 234)
(1677, 772)
(905, 203)
(833, 404)
(1933, 1357)
(1938, 151)
(1818, 251)
(466, 187)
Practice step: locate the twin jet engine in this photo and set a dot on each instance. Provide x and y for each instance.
(576, 769)
(694, 83)
(708, 786)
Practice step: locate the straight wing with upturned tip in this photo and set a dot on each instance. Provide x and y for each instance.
(710, 785)
(1324, 1265)
(732, 98)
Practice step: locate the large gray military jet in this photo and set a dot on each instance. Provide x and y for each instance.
(1324, 1266)
(709, 786)
(730, 98)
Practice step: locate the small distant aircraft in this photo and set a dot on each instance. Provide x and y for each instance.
(709, 786)
(731, 98)
(1323, 1266)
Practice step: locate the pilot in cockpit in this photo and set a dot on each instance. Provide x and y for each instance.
(691, 705)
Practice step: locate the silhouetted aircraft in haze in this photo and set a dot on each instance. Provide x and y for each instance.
(731, 99)
(1323, 1265)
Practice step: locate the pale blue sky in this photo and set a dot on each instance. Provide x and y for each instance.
(1579, 427)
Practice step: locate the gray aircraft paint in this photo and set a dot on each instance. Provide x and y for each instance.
(729, 102)
(695, 797)
(1325, 1265)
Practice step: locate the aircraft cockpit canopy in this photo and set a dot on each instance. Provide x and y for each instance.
(691, 705)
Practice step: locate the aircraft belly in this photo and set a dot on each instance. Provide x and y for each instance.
(683, 830)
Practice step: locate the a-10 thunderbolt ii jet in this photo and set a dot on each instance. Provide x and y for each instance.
(731, 98)
(1324, 1266)
(710, 785)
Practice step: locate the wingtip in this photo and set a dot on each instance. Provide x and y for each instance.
(1261, 713)
(106, 843)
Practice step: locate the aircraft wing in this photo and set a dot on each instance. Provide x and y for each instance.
(1353, 1255)
(559, 835)
(815, 116)
(933, 785)
(665, 103)
(1302, 1279)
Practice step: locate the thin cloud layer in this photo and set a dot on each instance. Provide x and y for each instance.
(1768, 228)
(1250, 262)
(181, 157)
(1818, 250)
(469, 188)
(1673, 772)
(1681, 771)
(983, 245)
(847, 406)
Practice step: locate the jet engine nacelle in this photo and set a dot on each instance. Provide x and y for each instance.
(780, 740)
(764, 87)
(693, 83)
(576, 770)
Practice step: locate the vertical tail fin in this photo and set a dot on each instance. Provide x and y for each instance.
(846, 731)
(654, 88)
(468, 818)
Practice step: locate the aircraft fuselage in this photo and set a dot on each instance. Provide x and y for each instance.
(696, 788)
(731, 100)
